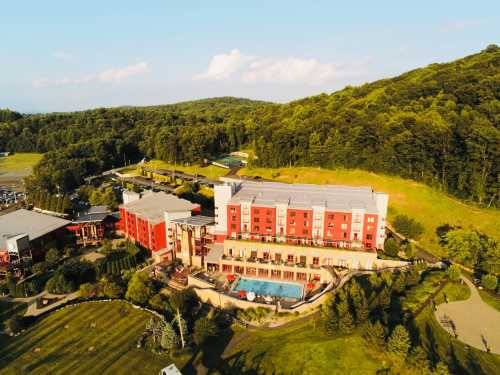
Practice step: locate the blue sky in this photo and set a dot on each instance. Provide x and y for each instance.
(61, 55)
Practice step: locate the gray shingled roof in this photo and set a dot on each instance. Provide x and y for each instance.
(153, 206)
(32, 223)
(303, 196)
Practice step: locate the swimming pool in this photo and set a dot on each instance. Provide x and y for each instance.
(270, 288)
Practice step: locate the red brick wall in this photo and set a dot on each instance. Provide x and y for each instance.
(299, 223)
(263, 220)
(337, 219)
(233, 219)
(158, 237)
(370, 229)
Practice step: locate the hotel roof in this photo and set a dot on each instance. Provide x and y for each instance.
(196, 221)
(304, 196)
(32, 223)
(154, 205)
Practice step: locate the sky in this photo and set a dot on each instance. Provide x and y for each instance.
(65, 56)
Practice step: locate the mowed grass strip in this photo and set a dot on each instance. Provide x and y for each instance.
(210, 171)
(66, 350)
(19, 162)
(428, 206)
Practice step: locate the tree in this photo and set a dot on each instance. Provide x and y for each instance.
(441, 369)
(413, 277)
(158, 302)
(169, 339)
(408, 227)
(409, 251)
(140, 288)
(186, 301)
(374, 333)
(111, 289)
(418, 360)
(489, 282)
(329, 315)
(204, 328)
(398, 343)
(454, 272)
(107, 247)
(359, 304)
(391, 247)
(89, 290)
(399, 284)
(52, 257)
(346, 322)
(463, 246)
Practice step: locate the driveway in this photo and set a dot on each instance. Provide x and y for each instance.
(476, 323)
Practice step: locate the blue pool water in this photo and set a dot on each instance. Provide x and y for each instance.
(269, 288)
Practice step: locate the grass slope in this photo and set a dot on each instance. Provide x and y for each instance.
(66, 351)
(419, 201)
(211, 171)
(435, 339)
(21, 163)
(8, 309)
(301, 348)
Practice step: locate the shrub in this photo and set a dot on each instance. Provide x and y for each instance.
(408, 227)
(391, 247)
(454, 272)
(16, 324)
(489, 282)
(70, 275)
(204, 328)
(140, 288)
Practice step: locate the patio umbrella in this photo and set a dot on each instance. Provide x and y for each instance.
(242, 294)
(231, 277)
(250, 296)
(310, 286)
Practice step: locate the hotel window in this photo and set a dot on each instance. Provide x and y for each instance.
(345, 217)
(371, 219)
(268, 220)
(305, 231)
(268, 212)
(345, 234)
(369, 227)
(292, 230)
(292, 213)
(290, 258)
(256, 211)
(292, 222)
(343, 226)
(266, 255)
(233, 226)
(305, 215)
(331, 217)
(369, 237)
(306, 223)
(233, 218)
(256, 228)
(316, 261)
(253, 254)
(255, 219)
(268, 229)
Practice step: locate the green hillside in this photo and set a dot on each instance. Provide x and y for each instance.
(421, 202)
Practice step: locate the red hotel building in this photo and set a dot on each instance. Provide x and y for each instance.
(319, 215)
(144, 218)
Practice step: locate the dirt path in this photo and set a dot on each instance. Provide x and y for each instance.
(476, 323)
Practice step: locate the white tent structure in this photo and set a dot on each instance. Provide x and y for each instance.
(170, 370)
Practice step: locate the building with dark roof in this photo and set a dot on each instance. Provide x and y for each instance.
(90, 227)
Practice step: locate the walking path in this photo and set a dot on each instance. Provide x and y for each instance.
(32, 310)
(476, 323)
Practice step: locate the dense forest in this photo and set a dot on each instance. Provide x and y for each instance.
(439, 124)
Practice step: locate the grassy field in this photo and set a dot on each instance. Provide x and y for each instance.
(64, 339)
(490, 299)
(21, 163)
(421, 202)
(9, 309)
(210, 171)
(301, 348)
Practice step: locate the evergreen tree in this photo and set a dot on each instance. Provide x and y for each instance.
(359, 304)
(441, 369)
(169, 338)
(398, 343)
(346, 322)
(374, 333)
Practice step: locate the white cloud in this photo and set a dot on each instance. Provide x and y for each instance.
(464, 24)
(119, 74)
(113, 75)
(223, 66)
(290, 70)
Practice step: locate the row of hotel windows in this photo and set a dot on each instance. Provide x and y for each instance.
(370, 219)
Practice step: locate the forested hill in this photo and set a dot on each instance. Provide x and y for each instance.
(439, 124)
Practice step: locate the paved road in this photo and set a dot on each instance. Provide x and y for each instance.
(476, 322)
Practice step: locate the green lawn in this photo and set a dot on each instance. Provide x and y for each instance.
(22, 163)
(428, 206)
(9, 309)
(66, 350)
(210, 171)
(300, 348)
(436, 340)
(490, 299)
